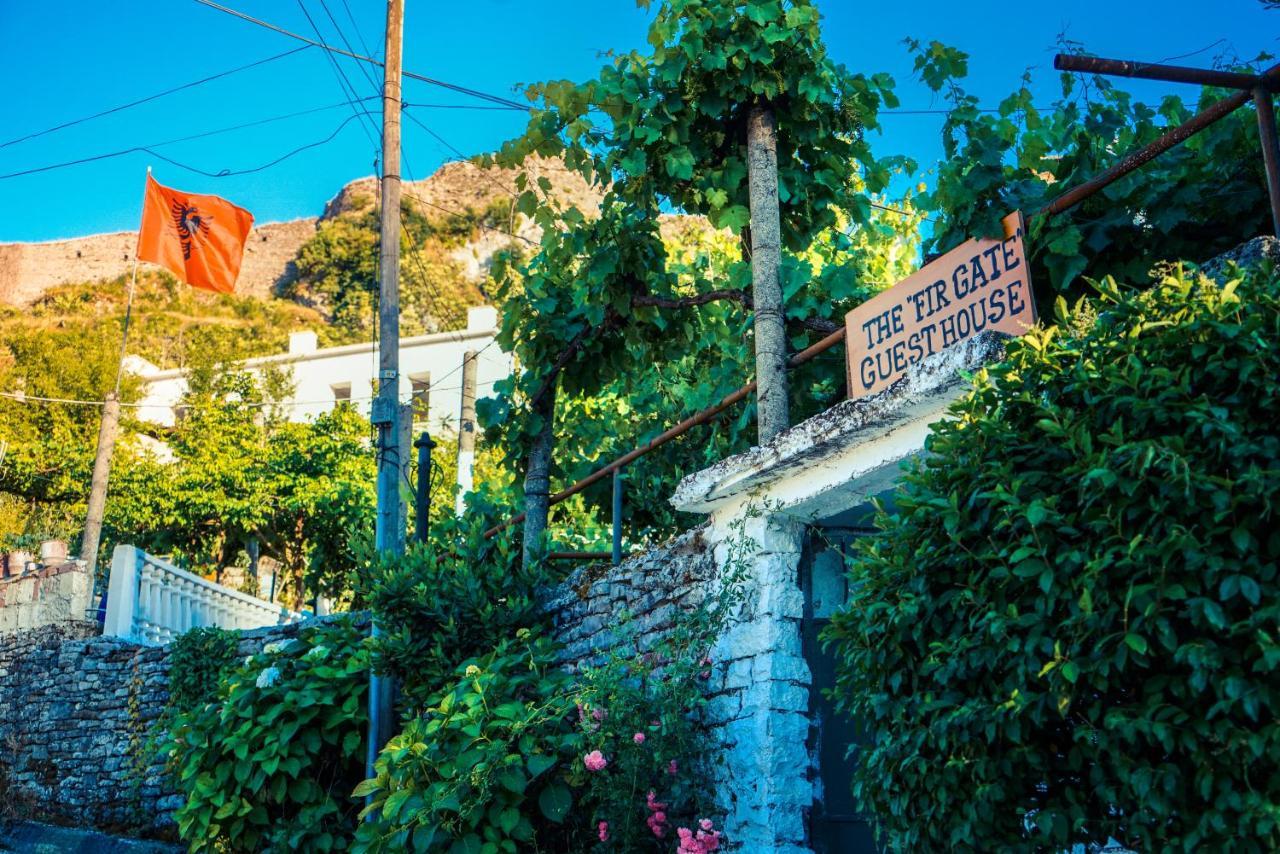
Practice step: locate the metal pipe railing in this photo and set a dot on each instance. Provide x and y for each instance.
(1256, 87)
(1155, 71)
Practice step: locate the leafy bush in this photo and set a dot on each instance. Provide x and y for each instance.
(269, 765)
(1066, 630)
(198, 661)
(1194, 201)
(466, 776)
(448, 600)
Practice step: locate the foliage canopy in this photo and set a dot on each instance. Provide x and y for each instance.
(1066, 628)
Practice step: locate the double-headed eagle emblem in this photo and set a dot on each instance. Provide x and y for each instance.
(191, 225)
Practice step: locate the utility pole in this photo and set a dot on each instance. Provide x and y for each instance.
(98, 485)
(388, 528)
(772, 416)
(467, 430)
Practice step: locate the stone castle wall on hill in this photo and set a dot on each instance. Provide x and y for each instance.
(29, 270)
(76, 711)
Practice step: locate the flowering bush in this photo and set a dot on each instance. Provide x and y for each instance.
(268, 764)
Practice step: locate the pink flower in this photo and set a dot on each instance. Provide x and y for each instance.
(638, 738)
(597, 714)
(672, 768)
(595, 761)
(652, 802)
(704, 841)
(603, 831)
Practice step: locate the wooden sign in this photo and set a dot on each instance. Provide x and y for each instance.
(980, 285)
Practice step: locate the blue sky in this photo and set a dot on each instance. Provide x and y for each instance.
(60, 61)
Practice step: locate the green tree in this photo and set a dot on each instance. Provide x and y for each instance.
(1065, 629)
(615, 324)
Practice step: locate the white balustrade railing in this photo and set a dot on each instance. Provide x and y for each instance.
(152, 601)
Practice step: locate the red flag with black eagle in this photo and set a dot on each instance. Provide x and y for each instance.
(198, 238)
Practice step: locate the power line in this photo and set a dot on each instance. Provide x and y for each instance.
(348, 91)
(454, 87)
(149, 98)
(483, 172)
(362, 66)
(224, 173)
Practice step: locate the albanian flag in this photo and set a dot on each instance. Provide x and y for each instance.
(200, 239)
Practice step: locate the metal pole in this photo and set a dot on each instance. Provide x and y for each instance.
(422, 509)
(677, 431)
(1154, 71)
(386, 409)
(1270, 151)
(96, 510)
(617, 516)
(467, 431)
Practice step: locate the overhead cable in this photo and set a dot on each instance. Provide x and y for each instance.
(223, 173)
(454, 87)
(149, 98)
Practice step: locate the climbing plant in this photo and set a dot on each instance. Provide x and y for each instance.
(1197, 199)
(1064, 630)
(631, 318)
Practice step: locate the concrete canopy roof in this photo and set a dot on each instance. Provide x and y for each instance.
(839, 458)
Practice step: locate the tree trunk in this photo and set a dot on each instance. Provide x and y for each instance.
(537, 478)
(772, 415)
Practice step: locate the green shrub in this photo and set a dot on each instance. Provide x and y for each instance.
(446, 601)
(484, 768)
(270, 764)
(198, 661)
(1067, 628)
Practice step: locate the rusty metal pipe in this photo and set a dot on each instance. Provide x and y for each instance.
(1270, 151)
(1146, 154)
(675, 432)
(1158, 146)
(1155, 71)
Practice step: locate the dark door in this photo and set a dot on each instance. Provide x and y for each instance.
(835, 826)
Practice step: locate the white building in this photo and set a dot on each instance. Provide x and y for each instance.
(430, 368)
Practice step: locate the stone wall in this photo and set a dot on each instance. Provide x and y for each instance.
(757, 710)
(50, 594)
(74, 710)
(28, 270)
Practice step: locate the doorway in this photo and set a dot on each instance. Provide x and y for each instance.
(835, 824)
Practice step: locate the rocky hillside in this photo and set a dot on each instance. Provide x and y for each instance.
(28, 271)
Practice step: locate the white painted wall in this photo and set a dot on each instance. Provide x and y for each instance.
(317, 372)
(761, 501)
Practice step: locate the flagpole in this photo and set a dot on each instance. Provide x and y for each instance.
(97, 504)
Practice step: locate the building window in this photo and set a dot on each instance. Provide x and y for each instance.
(341, 393)
(420, 386)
